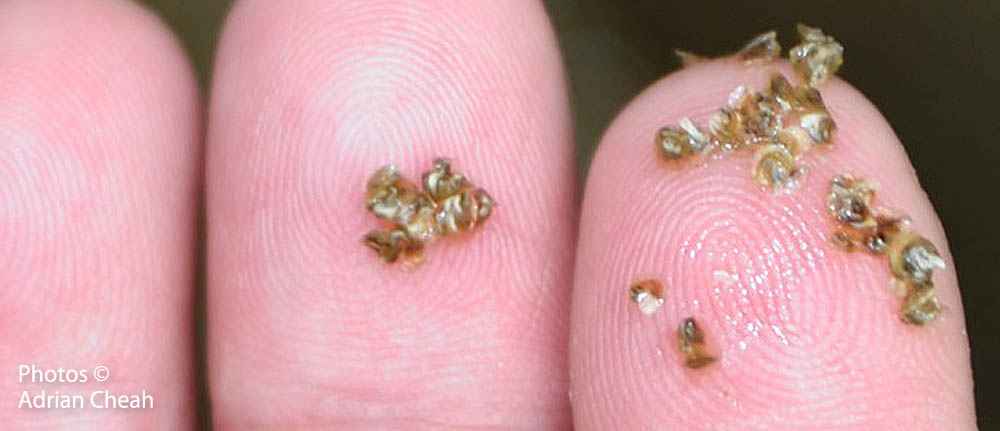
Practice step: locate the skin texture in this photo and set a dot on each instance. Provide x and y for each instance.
(308, 329)
(807, 335)
(98, 185)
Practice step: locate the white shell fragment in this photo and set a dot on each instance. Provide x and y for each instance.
(647, 295)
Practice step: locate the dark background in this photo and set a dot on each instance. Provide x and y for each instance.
(932, 68)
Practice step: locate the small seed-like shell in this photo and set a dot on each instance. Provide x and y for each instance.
(817, 57)
(795, 139)
(920, 306)
(819, 125)
(691, 343)
(913, 258)
(775, 167)
(440, 182)
(674, 143)
(386, 176)
(464, 211)
(762, 48)
(762, 116)
(422, 226)
(389, 244)
(888, 224)
(647, 295)
(795, 97)
(849, 201)
(454, 214)
(671, 143)
(485, 204)
(726, 127)
(392, 197)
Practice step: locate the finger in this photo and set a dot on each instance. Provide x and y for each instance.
(807, 336)
(98, 156)
(308, 328)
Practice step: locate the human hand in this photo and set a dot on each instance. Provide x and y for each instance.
(101, 174)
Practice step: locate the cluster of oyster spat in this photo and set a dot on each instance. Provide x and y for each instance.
(879, 230)
(447, 204)
(816, 57)
(778, 125)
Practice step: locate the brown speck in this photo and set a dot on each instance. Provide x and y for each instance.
(691, 343)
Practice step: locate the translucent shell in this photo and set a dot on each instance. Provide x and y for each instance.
(728, 125)
(421, 224)
(384, 190)
(647, 295)
(775, 167)
(819, 125)
(462, 211)
(440, 182)
(388, 243)
(675, 143)
(920, 306)
(888, 224)
(762, 116)
(448, 204)
(849, 201)
(817, 57)
(805, 110)
(795, 97)
(691, 343)
(762, 48)
(795, 140)
(913, 258)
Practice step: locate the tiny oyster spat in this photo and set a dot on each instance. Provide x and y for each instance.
(775, 168)
(761, 49)
(859, 225)
(920, 306)
(440, 182)
(913, 258)
(817, 57)
(647, 295)
(691, 343)
(675, 143)
(388, 243)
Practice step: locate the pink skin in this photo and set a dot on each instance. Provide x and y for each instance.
(308, 330)
(98, 185)
(807, 335)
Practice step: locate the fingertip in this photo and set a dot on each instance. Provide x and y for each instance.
(98, 152)
(805, 332)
